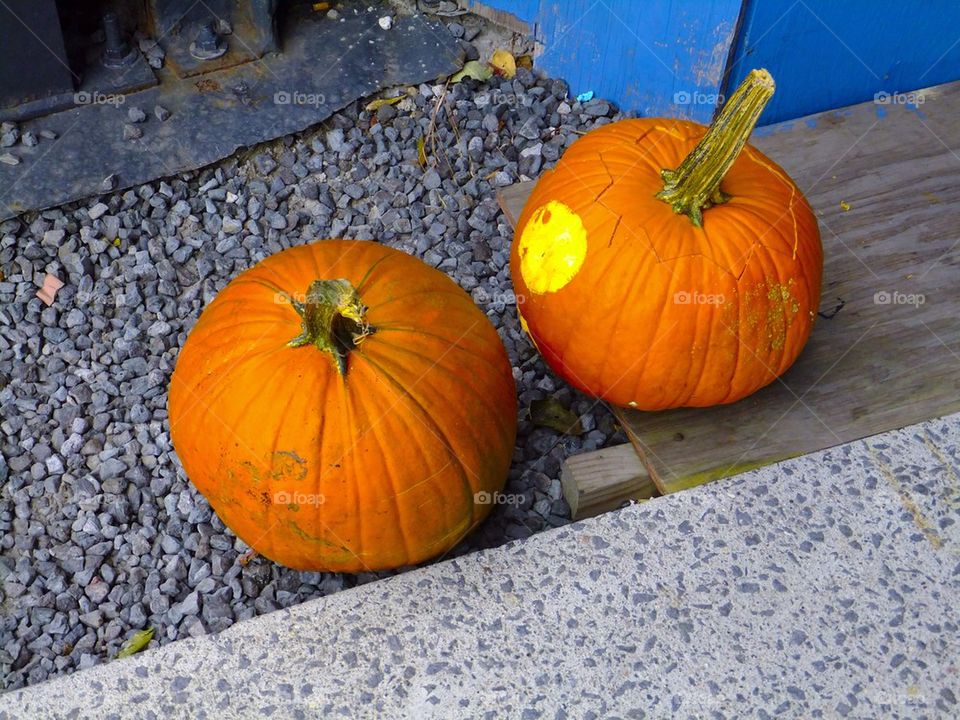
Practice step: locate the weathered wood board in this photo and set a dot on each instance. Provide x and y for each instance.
(884, 180)
(595, 482)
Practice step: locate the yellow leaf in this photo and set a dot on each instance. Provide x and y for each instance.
(422, 151)
(321, 6)
(136, 643)
(473, 69)
(503, 63)
(525, 61)
(116, 242)
(380, 102)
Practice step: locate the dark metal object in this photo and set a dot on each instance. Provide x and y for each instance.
(48, 63)
(252, 32)
(215, 114)
(207, 44)
(33, 59)
(117, 53)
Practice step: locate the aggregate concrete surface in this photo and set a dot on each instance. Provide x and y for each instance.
(824, 586)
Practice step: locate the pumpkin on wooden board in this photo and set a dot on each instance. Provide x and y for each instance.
(664, 264)
(342, 406)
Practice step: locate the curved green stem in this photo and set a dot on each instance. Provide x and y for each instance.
(333, 320)
(695, 185)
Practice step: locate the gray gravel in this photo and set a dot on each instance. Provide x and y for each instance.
(102, 534)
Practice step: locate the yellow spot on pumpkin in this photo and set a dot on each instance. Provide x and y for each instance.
(553, 246)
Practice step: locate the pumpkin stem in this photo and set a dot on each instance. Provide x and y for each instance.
(333, 320)
(695, 185)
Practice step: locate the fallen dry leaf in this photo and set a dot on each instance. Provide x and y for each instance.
(503, 63)
(137, 642)
(380, 102)
(422, 151)
(473, 69)
(551, 414)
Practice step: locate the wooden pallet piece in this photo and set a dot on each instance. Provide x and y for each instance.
(602, 480)
(885, 185)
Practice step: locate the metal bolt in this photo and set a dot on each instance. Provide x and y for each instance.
(117, 53)
(207, 44)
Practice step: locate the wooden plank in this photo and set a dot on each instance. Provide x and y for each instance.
(886, 188)
(512, 199)
(657, 57)
(603, 480)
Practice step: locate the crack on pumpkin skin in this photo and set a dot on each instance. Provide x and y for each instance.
(639, 140)
(790, 205)
(614, 233)
(613, 180)
(601, 191)
(746, 263)
(672, 132)
(606, 168)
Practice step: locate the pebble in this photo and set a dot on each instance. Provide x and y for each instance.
(231, 226)
(54, 236)
(111, 536)
(431, 179)
(386, 113)
(597, 108)
(136, 115)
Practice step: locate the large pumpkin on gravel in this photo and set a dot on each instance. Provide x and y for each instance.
(660, 266)
(343, 407)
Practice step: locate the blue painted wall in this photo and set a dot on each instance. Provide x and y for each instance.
(656, 57)
(825, 54)
(669, 57)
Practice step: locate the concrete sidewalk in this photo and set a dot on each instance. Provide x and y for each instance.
(826, 586)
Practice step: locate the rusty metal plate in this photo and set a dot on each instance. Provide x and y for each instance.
(324, 65)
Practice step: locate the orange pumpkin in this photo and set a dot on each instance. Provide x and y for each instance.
(344, 407)
(666, 265)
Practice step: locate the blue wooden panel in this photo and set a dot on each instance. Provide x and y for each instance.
(825, 54)
(654, 57)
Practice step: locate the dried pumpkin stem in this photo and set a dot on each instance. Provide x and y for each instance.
(695, 185)
(333, 320)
